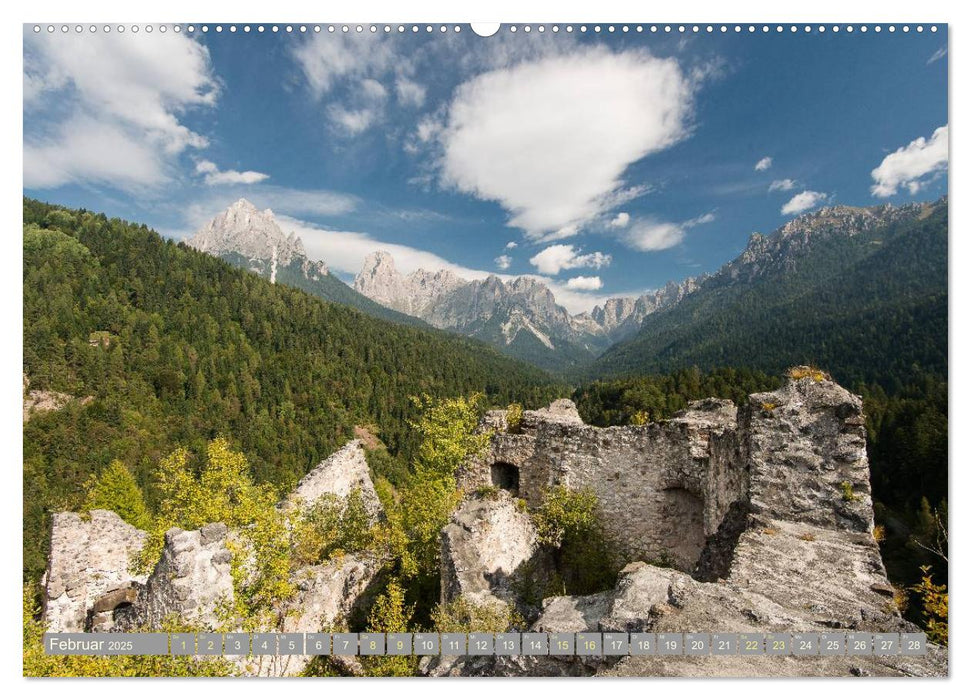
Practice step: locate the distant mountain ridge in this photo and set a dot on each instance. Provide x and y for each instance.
(519, 315)
(860, 291)
(253, 240)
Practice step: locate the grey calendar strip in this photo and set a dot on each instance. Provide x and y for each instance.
(488, 644)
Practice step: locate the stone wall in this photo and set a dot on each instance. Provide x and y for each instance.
(665, 488)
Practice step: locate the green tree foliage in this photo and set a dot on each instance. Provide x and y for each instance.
(223, 492)
(568, 523)
(933, 603)
(390, 614)
(641, 399)
(176, 347)
(115, 489)
(330, 527)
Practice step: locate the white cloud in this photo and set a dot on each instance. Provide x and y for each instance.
(511, 244)
(553, 259)
(352, 121)
(764, 164)
(804, 201)
(122, 93)
(782, 185)
(86, 150)
(550, 139)
(912, 166)
(620, 221)
(409, 92)
(649, 234)
(215, 176)
(937, 55)
(373, 91)
(588, 284)
(325, 60)
(503, 262)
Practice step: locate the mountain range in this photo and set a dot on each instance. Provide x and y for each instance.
(519, 315)
(253, 240)
(788, 297)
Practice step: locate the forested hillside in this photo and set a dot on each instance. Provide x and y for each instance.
(868, 304)
(175, 347)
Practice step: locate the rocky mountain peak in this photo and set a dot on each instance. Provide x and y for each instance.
(244, 230)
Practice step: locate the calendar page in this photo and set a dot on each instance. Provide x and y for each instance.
(525, 349)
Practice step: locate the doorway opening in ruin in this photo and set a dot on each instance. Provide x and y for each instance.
(506, 476)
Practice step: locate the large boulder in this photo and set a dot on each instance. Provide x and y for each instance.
(90, 559)
(339, 475)
(490, 551)
(192, 580)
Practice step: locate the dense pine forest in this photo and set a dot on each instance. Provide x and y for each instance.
(175, 347)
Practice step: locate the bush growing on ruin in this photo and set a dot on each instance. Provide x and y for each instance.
(568, 524)
(390, 614)
(462, 615)
(514, 416)
(223, 491)
(330, 527)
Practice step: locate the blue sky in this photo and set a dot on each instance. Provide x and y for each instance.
(605, 163)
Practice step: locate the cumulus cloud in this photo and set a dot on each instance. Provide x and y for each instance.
(215, 176)
(503, 262)
(511, 244)
(553, 259)
(650, 234)
(804, 201)
(764, 164)
(121, 94)
(588, 284)
(912, 166)
(549, 140)
(782, 185)
(620, 221)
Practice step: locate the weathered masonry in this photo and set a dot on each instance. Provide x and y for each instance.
(666, 488)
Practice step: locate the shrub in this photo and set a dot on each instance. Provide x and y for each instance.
(514, 417)
(488, 491)
(330, 527)
(390, 614)
(933, 600)
(568, 524)
(462, 615)
(846, 490)
(803, 371)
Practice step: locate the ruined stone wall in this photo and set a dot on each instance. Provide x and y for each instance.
(664, 488)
